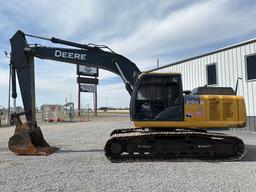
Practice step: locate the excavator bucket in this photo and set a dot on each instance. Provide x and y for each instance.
(28, 140)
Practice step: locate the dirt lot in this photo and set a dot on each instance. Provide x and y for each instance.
(80, 165)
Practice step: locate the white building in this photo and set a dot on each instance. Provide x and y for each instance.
(223, 67)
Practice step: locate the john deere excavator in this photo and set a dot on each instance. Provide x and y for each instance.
(169, 123)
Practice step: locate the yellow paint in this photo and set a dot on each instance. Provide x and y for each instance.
(214, 111)
(162, 73)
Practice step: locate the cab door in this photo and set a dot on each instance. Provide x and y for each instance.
(158, 97)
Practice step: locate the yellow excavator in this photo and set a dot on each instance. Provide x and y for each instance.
(170, 123)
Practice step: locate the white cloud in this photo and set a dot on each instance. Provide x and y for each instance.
(4, 77)
(113, 95)
(62, 18)
(49, 91)
(191, 27)
(140, 30)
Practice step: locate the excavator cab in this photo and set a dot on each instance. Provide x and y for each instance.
(158, 97)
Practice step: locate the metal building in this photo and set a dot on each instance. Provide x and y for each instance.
(223, 67)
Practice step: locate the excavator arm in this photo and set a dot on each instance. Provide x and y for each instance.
(22, 63)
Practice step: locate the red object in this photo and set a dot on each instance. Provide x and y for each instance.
(51, 119)
(57, 119)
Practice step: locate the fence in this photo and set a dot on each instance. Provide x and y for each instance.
(4, 120)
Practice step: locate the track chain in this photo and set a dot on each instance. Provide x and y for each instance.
(124, 135)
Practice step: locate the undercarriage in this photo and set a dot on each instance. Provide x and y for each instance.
(170, 144)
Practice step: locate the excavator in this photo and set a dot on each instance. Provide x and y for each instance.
(169, 122)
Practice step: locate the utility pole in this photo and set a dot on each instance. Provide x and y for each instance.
(157, 63)
(9, 98)
(14, 104)
(95, 100)
(79, 93)
(9, 91)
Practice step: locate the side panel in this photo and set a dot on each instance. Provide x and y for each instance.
(195, 109)
(242, 112)
(204, 111)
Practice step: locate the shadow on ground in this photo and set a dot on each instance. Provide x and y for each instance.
(250, 153)
(80, 151)
(4, 149)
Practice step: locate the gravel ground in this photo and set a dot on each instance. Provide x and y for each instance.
(80, 165)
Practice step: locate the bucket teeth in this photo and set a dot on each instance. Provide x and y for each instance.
(28, 140)
(46, 150)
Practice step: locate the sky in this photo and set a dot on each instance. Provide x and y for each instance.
(143, 31)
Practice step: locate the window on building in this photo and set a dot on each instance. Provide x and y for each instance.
(211, 74)
(251, 67)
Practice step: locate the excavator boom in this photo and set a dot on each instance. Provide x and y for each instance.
(28, 138)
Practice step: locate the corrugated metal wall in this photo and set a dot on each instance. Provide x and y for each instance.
(230, 65)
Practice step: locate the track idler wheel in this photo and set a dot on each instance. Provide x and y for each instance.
(28, 140)
(116, 148)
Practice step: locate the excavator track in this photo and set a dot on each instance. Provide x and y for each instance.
(132, 144)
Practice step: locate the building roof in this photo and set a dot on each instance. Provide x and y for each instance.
(206, 54)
